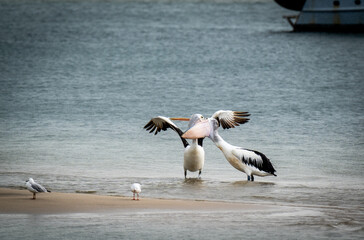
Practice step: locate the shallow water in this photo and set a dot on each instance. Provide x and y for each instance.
(79, 80)
(283, 222)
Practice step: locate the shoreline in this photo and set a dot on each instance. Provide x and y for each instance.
(13, 201)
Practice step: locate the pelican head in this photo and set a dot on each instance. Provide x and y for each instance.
(204, 128)
(195, 118)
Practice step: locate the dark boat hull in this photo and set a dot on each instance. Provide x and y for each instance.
(291, 4)
(328, 15)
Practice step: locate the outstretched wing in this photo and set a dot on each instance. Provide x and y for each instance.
(255, 159)
(230, 119)
(163, 123)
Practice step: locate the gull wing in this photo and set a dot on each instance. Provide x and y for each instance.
(38, 187)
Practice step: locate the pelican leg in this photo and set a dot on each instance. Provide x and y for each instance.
(252, 178)
(248, 178)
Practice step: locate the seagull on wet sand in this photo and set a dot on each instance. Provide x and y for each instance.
(34, 187)
(136, 189)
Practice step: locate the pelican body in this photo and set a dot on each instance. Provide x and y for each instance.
(194, 157)
(248, 161)
(34, 187)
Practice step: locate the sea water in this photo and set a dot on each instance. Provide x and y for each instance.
(80, 79)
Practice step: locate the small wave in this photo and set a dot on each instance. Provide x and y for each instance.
(266, 198)
(86, 192)
(349, 225)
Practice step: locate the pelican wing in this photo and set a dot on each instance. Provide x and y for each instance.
(255, 159)
(230, 119)
(161, 123)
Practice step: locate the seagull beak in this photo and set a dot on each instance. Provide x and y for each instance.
(200, 130)
(180, 119)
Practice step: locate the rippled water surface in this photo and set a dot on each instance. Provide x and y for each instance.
(80, 79)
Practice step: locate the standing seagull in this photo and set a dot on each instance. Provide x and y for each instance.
(194, 154)
(35, 187)
(136, 189)
(248, 161)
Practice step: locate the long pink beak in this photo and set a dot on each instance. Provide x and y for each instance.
(200, 130)
(180, 119)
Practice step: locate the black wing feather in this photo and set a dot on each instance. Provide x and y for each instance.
(264, 165)
(152, 126)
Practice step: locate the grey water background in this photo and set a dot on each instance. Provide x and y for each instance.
(80, 79)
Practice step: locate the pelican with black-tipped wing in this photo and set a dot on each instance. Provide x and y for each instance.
(248, 161)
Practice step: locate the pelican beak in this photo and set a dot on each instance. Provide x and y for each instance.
(180, 119)
(200, 130)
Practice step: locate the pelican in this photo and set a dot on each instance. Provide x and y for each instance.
(136, 189)
(248, 161)
(34, 187)
(194, 154)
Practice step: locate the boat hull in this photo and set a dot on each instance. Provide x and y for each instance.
(325, 15)
(291, 5)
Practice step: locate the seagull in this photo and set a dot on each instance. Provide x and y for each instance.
(34, 187)
(194, 154)
(248, 161)
(136, 189)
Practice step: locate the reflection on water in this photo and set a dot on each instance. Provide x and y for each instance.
(252, 184)
(193, 181)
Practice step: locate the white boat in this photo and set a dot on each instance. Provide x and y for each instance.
(326, 15)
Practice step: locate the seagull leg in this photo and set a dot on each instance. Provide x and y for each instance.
(199, 174)
(248, 178)
(138, 196)
(34, 196)
(252, 177)
(133, 196)
(185, 173)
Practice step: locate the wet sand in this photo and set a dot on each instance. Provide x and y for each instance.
(14, 201)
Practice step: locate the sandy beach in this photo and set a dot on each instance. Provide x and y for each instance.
(21, 202)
